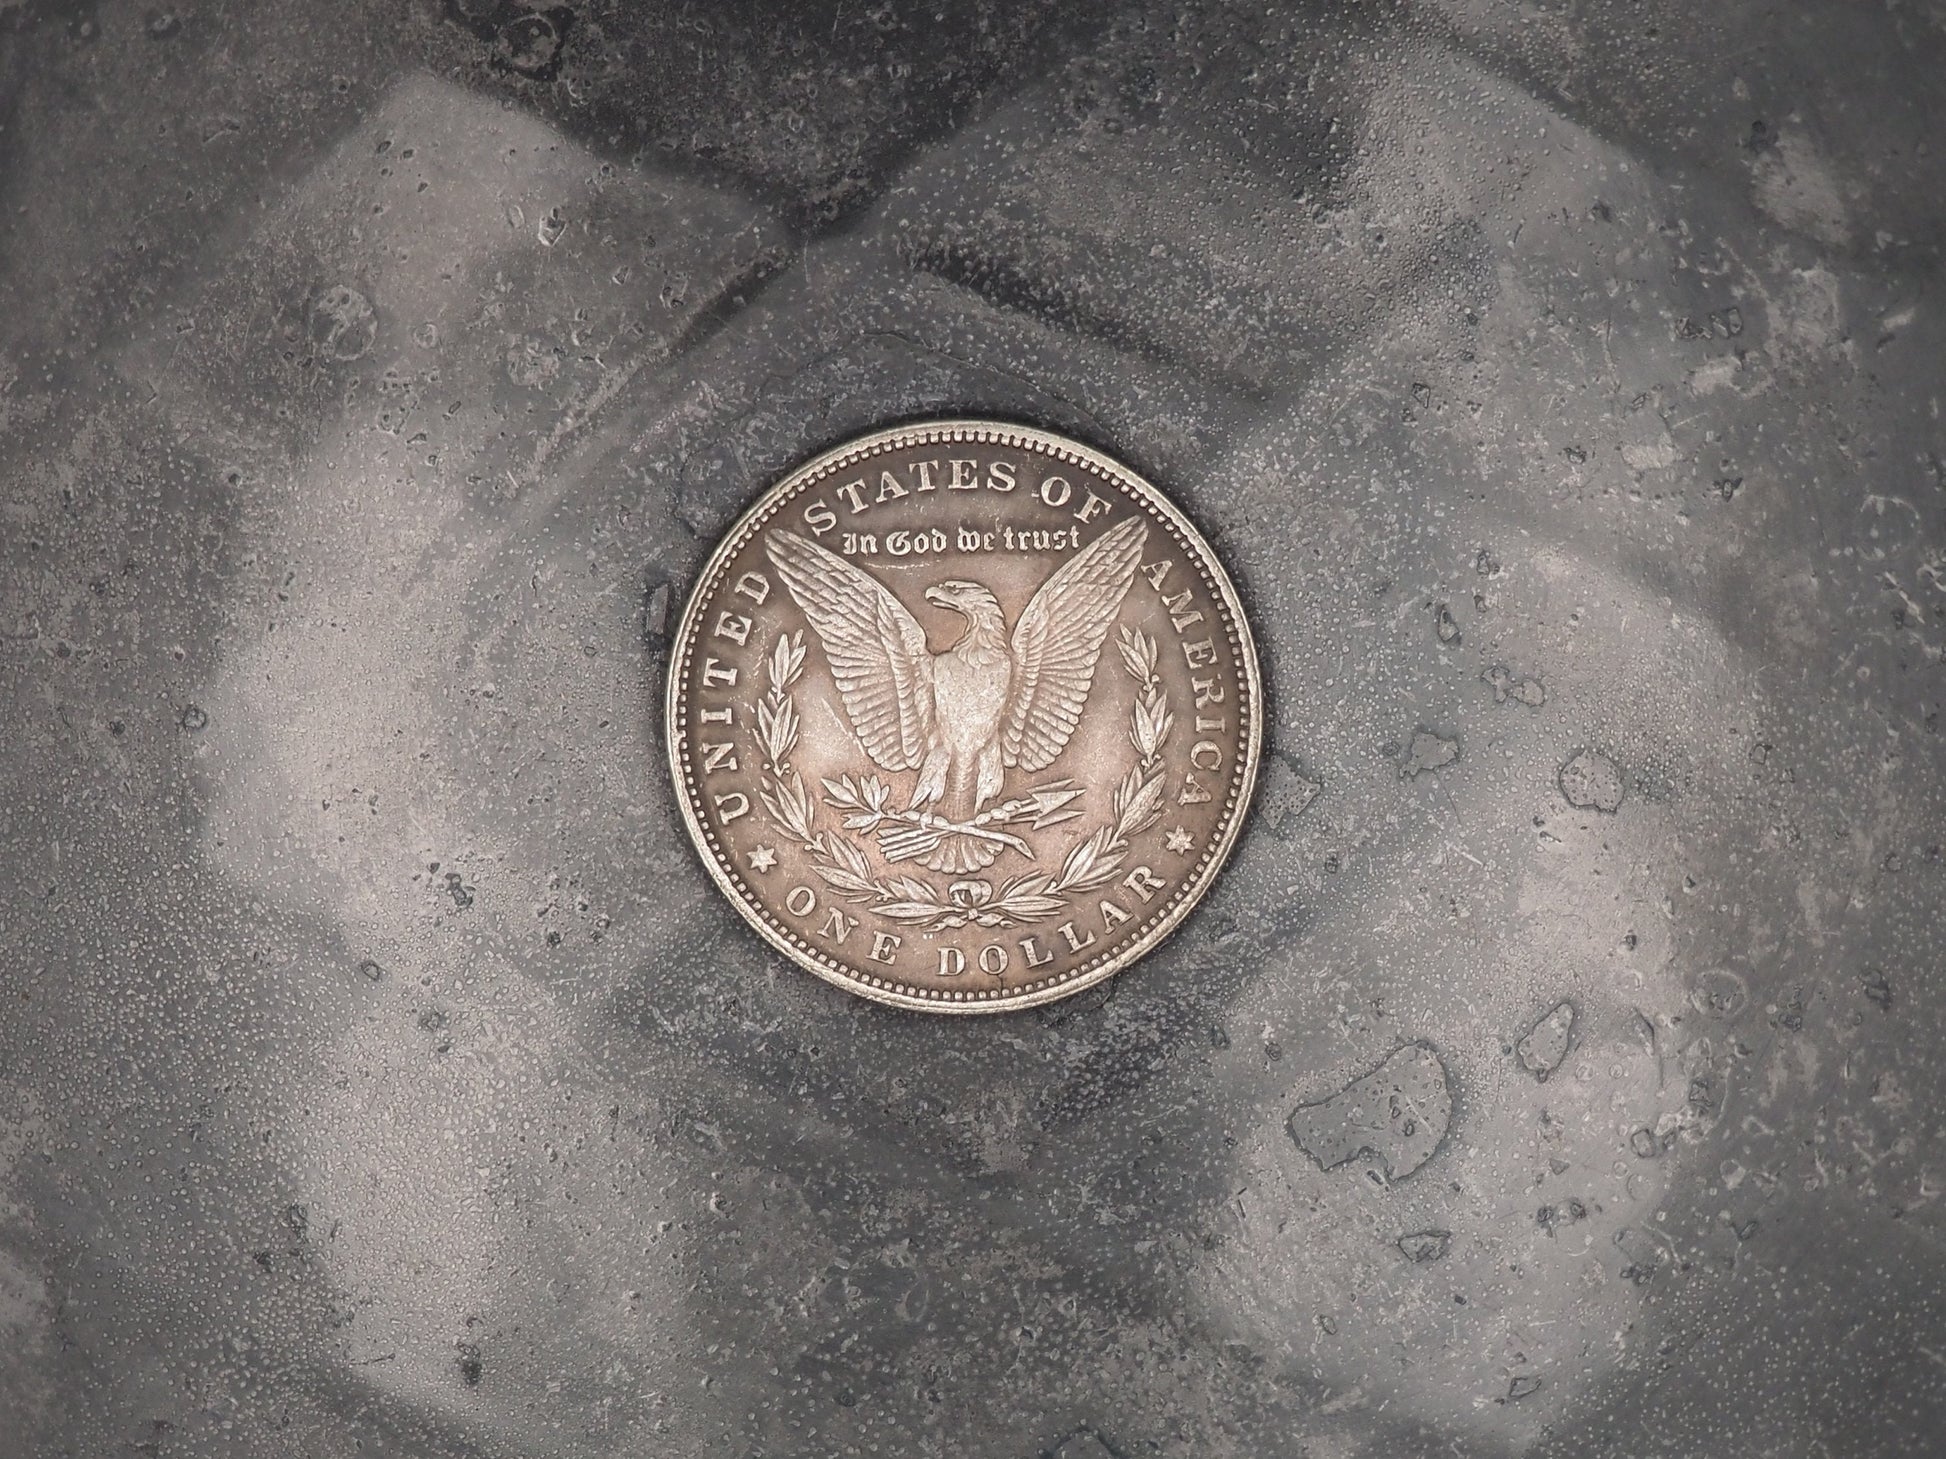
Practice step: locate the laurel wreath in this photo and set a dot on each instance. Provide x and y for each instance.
(918, 901)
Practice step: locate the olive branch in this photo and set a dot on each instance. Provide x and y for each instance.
(917, 901)
(780, 788)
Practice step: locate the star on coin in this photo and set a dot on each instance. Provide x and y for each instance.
(763, 858)
(1179, 841)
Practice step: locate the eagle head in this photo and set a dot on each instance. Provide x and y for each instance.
(961, 596)
(985, 624)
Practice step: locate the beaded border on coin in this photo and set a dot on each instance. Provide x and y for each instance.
(717, 859)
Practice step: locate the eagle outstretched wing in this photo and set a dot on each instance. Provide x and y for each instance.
(876, 649)
(1057, 643)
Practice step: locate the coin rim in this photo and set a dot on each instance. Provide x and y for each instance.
(919, 433)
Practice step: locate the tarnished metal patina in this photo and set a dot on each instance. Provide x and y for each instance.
(964, 716)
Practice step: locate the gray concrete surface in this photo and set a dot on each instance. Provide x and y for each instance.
(1562, 383)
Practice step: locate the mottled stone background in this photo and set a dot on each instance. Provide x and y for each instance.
(1556, 1072)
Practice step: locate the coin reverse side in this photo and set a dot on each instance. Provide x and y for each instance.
(963, 716)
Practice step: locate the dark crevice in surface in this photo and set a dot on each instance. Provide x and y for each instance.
(812, 108)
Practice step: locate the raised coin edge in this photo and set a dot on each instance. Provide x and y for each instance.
(1006, 433)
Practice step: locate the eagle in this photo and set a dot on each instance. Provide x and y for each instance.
(991, 700)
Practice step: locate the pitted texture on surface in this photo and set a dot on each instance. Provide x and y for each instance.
(379, 1073)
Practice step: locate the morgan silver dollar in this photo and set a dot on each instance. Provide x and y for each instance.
(963, 716)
